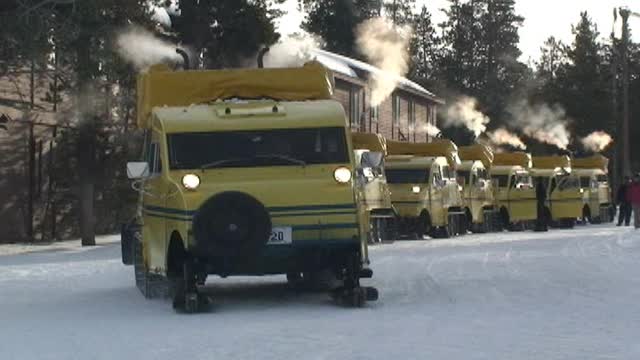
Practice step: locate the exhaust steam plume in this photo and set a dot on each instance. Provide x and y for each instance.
(141, 49)
(428, 129)
(385, 46)
(292, 50)
(464, 113)
(547, 124)
(596, 141)
(503, 136)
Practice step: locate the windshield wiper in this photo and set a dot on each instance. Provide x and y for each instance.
(262, 156)
(221, 162)
(282, 157)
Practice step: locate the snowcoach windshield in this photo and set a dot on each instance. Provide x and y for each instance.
(257, 148)
(407, 176)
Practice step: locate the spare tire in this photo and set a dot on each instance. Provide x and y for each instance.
(231, 225)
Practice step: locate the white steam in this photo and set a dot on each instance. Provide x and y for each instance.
(547, 124)
(596, 141)
(386, 46)
(503, 136)
(140, 48)
(464, 112)
(428, 129)
(292, 50)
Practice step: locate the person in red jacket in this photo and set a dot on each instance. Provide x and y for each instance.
(633, 196)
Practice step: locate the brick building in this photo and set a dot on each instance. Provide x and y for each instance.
(401, 116)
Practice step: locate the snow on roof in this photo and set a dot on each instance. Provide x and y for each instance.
(347, 66)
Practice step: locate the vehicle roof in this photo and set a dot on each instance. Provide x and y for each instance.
(251, 115)
(160, 86)
(412, 162)
(477, 152)
(369, 141)
(437, 148)
(596, 161)
(518, 158)
(556, 162)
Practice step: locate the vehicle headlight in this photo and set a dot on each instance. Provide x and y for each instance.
(416, 189)
(581, 191)
(342, 175)
(191, 181)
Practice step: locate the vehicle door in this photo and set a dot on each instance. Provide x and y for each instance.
(154, 190)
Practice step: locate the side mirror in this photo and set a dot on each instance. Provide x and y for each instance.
(137, 170)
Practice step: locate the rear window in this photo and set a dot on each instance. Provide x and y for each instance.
(407, 176)
(257, 148)
(585, 182)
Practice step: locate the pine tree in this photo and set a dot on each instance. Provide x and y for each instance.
(335, 21)
(399, 11)
(424, 49)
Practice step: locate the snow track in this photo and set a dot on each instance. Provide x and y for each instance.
(565, 294)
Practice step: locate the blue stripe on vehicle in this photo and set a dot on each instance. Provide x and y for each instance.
(166, 210)
(312, 207)
(351, 212)
(169, 210)
(325, 226)
(166, 217)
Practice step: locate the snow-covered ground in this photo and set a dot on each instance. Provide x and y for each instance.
(566, 294)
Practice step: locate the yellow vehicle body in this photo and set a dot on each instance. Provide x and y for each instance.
(374, 197)
(564, 203)
(477, 194)
(513, 189)
(425, 195)
(274, 195)
(596, 192)
(477, 191)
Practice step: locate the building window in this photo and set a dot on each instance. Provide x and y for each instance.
(412, 119)
(375, 113)
(354, 105)
(396, 109)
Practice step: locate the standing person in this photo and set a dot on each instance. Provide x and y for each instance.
(624, 207)
(541, 197)
(633, 195)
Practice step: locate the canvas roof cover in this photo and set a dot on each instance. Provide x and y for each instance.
(552, 162)
(477, 152)
(517, 158)
(369, 141)
(162, 87)
(440, 147)
(593, 162)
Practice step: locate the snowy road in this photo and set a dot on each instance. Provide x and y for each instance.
(559, 295)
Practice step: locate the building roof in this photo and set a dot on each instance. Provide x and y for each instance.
(350, 67)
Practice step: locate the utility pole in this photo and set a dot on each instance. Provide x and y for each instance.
(626, 163)
(615, 123)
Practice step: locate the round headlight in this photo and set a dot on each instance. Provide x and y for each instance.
(416, 189)
(342, 175)
(191, 181)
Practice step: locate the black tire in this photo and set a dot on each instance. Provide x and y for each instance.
(233, 226)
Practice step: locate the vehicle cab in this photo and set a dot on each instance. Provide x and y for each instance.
(477, 191)
(374, 197)
(592, 173)
(249, 178)
(424, 190)
(513, 188)
(563, 204)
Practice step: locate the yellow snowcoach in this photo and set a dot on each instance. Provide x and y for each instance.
(424, 191)
(596, 192)
(245, 172)
(563, 203)
(513, 190)
(477, 191)
(373, 193)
